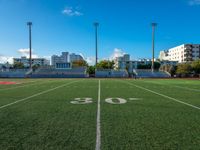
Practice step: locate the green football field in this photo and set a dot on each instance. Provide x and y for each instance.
(106, 114)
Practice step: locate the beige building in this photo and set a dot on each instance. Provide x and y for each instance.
(35, 61)
(182, 53)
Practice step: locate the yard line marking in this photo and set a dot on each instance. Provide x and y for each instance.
(98, 132)
(162, 95)
(135, 99)
(35, 95)
(191, 89)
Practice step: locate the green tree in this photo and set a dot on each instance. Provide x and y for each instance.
(36, 66)
(196, 66)
(79, 63)
(184, 69)
(141, 66)
(91, 70)
(18, 65)
(169, 68)
(105, 64)
(157, 65)
(172, 70)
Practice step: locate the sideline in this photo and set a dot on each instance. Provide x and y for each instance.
(162, 95)
(98, 132)
(38, 94)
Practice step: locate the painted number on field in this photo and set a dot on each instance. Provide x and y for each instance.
(115, 100)
(82, 101)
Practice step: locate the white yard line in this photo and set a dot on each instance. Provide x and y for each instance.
(98, 132)
(182, 87)
(162, 95)
(135, 99)
(35, 95)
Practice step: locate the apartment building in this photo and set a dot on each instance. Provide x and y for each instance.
(35, 61)
(182, 53)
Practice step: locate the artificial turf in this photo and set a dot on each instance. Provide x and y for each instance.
(48, 120)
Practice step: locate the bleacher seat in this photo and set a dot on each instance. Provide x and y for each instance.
(141, 73)
(59, 73)
(108, 73)
(13, 73)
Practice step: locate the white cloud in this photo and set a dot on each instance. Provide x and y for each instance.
(5, 59)
(47, 57)
(194, 2)
(90, 60)
(117, 53)
(25, 52)
(70, 11)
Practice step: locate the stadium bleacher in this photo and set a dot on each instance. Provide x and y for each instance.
(108, 73)
(13, 73)
(142, 73)
(59, 73)
(81, 72)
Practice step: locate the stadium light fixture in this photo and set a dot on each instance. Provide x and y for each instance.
(153, 44)
(30, 44)
(96, 25)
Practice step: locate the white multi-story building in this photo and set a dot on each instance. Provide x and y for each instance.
(182, 53)
(64, 58)
(120, 62)
(35, 61)
(74, 57)
(124, 63)
(163, 55)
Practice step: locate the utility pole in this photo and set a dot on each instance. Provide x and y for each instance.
(153, 44)
(96, 25)
(30, 44)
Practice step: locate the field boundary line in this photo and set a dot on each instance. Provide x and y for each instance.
(162, 95)
(185, 88)
(35, 95)
(24, 86)
(98, 132)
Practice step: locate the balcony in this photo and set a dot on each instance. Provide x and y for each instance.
(188, 56)
(188, 52)
(188, 47)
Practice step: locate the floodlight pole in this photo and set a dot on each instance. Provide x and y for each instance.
(96, 24)
(30, 44)
(153, 44)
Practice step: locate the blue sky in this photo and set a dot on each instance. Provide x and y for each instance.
(67, 25)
